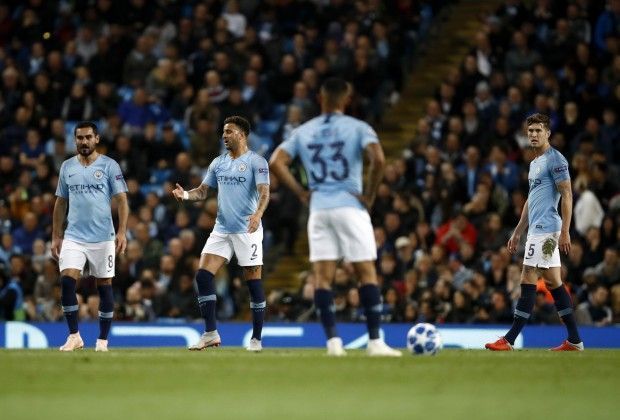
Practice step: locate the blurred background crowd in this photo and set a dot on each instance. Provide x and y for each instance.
(159, 77)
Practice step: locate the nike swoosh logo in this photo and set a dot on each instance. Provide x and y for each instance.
(71, 175)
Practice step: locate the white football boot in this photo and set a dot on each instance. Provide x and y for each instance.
(74, 342)
(207, 339)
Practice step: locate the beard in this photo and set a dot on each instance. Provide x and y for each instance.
(86, 150)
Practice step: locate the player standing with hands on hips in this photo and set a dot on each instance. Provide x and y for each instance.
(242, 180)
(86, 184)
(331, 148)
(547, 235)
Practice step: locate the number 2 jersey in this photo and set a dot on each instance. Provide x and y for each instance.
(331, 149)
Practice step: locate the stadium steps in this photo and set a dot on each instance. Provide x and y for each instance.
(448, 43)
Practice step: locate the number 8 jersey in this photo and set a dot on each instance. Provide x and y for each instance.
(331, 148)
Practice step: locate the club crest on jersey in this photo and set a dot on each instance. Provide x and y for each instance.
(242, 167)
(98, 174)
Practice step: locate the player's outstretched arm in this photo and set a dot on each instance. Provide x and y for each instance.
(123, 215)
(279, 165)
(566, 206)
(58, 222)
(375, 154)
(263, 202)
(513, 242)
(199, 193)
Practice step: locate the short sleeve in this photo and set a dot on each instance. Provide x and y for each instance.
(117, 180)
(61, 188)
(558, 166)
(368, 135)
(290, 146)
(210, 179)
(261, 170)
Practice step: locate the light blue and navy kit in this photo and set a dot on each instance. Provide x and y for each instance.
(331, 147)
(545, 172)
(236, 181)
(89, 190)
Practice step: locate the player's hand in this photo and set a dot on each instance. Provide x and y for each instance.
(513, 243)
(178, 192)
(564, 242)
(366, 201)
(121, 243)
(56, 246)
(253, 223)
(304, 197)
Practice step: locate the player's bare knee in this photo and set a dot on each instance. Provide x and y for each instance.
(365, 272)
(71, 272)
(252, 272)
(529, 275)
(104, 282)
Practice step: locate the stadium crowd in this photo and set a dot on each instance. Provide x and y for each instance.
(160, 77)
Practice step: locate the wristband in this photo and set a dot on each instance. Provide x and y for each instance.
(185, 195)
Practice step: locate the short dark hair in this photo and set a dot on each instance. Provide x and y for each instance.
(86, 124)
(334, 88)
(240, 122)
(539, 119)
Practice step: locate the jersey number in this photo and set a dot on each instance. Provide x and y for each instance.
(254, 249)
(321, 165)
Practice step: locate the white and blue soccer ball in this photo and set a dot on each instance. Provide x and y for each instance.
(423, 339)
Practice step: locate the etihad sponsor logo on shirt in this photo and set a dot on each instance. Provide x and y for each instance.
(85, 188)
(230, 180)
(534, 183)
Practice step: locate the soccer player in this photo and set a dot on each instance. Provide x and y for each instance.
(547, 235)
(331, 148)
(242, 180)
(86, 184)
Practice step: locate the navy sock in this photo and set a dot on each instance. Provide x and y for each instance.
(69, 302)
(206, 298)
(370, 298)
(324, 301)
(564, 305)
(523, 311)
(106, 310)
(258, 305)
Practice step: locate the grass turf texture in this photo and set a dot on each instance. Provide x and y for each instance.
(229, 383)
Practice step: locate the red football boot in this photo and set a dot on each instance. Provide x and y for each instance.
(568, 346)
(500, 345)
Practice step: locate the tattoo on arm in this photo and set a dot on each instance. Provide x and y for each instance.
(199, 193)
(263, 199)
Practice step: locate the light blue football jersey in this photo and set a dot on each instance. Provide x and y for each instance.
(545, 172)
(89, 190)
(236, 181)
(331, 148)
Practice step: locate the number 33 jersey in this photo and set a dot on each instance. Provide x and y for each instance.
(331, 148)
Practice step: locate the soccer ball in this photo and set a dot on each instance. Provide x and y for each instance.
(424, 340)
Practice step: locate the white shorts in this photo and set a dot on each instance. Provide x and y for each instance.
(542, 250)
(344, 232)
(101, 257)
(248, 247)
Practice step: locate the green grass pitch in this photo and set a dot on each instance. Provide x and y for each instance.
(227, 383)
